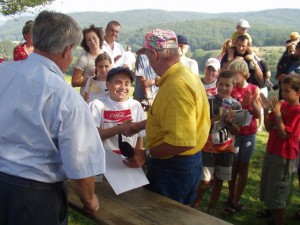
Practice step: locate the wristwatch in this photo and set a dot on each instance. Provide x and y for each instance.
(148, 154)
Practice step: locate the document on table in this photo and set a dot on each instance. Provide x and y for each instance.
(120, 177)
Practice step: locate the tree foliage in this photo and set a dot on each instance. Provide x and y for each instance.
(12, 7)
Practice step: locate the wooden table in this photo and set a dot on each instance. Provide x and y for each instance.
(139, 207)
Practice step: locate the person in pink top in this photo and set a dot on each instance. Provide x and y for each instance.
(248, 95)
(283, 125)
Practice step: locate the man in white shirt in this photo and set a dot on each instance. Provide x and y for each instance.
(114, 49)
(183, 48)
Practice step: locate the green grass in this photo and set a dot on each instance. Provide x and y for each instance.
(249, 199)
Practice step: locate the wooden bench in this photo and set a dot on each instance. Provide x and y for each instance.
(140, 207)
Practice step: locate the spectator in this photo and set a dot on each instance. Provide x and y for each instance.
(248, 95)
(217, 154)
(183, 49)
(114, 49)
(145, 89)
(175, 135)
(289, 64)
(96, 86)
(256, 75)
(283, 125)
(85, 65)
(291, 43)
(225, 48)
(241, 29)
(47, 134)
(211, 72)
(23, 50)
(129, 58)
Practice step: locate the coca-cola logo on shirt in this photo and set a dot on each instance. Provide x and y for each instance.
(117, 115)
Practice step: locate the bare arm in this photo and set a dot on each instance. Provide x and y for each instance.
(112, 131)
(256, 105)
(166, 150)
(85, 189)
(134, 127)
(258, 74)
(77, 79)
(276, 106)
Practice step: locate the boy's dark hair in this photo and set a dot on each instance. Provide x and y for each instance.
(227, 74)
(242, 38)
(293, 80)
(99, 32)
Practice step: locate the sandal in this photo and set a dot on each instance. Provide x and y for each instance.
(228, 211)
(238, 207)
(264, 213)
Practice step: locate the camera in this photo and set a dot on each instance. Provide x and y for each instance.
(270, 85)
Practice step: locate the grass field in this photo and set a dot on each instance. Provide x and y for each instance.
(249, 199)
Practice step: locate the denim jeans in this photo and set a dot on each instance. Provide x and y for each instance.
(176, 178)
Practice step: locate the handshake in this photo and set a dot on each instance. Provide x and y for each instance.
(129, 128)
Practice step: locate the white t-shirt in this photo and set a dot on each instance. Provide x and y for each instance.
(118, 50)
(108, 113)
(190, 63)
(95, 89)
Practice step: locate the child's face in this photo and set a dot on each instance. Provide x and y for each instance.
(242, 30)
(224, 87)
(239, 78)
(210, 73)
(119, 87)
(289, 95)
(102, 69)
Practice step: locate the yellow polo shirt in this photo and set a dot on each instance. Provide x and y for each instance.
(179, 115)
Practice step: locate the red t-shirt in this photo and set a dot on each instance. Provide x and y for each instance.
(239, 94)
(287, 148)
(20, 53)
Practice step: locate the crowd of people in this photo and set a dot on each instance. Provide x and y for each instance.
(194, 141)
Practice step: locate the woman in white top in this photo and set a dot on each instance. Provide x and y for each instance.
(85, 65)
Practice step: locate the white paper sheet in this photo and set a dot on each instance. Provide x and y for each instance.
(120, 177)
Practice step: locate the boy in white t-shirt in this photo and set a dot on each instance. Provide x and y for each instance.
(113, 113)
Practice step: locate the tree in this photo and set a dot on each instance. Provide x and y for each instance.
(12, 7)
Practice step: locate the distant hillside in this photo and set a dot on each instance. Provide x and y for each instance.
(204, 30)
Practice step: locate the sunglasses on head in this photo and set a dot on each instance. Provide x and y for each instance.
(125, 148)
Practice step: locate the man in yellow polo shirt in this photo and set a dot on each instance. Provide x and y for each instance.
(178, 122)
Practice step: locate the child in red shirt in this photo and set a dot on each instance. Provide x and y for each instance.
(283, 125)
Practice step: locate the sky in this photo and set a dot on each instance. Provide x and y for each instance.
(215, 6)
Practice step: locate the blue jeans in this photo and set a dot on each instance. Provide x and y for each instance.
(176, 178)
(245, 145)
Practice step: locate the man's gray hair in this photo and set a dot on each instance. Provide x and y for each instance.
(52, 32)
(168, 52)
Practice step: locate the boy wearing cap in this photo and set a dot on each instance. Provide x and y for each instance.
(113, 113)
(241, 29)
(183, 48)
(211, 72)
(177, 124)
